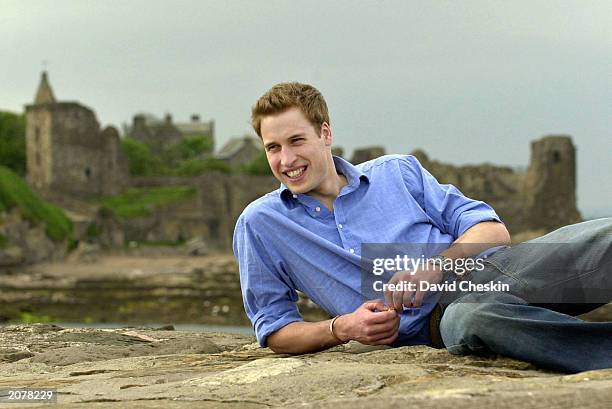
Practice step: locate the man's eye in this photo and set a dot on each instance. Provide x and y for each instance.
(271, 148)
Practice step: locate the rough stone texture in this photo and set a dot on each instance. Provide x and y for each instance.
(551, 183)
(143, 368)
(210, 216)
(26, 243)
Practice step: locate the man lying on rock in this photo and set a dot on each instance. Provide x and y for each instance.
(309, 236)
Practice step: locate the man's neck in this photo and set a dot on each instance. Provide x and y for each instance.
(330, 190)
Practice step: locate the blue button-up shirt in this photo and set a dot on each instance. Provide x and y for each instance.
(286, 242)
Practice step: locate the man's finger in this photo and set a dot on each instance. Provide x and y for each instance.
(389, 298)
(381, 317)
(382, 333)
(407, 298)
(418, 298)
(386, 341)
(397, 299)
(374, 305)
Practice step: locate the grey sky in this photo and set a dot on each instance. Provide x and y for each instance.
(467, 81)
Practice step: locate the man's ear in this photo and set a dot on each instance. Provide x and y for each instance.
(326, 133)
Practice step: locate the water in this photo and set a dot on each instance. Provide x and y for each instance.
(177, 327)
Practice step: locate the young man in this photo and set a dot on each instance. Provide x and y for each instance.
(307, 236)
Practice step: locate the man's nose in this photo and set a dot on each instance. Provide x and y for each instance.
(287, 157)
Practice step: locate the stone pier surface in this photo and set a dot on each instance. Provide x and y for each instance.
(147, 368)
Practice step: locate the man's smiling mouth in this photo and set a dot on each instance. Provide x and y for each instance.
(296, 173)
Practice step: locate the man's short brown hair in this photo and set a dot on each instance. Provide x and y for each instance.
(289, 95)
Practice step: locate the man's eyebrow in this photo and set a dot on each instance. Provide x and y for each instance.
(297, 135)
(267, 145)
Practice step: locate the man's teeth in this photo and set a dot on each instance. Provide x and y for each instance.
(295, 173)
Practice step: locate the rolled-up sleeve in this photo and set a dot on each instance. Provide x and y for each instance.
(269, 298)
(449, 209)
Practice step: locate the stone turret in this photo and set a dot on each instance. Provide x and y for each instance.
(551, 182)
(66, 151)
(44, 95)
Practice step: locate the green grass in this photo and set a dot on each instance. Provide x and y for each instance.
(142, 201)
(194, 167)
(15, 193)
(33, 318)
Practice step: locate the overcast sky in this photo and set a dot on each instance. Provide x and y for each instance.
(467, 81)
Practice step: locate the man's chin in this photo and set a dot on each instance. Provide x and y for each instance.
(297, 188)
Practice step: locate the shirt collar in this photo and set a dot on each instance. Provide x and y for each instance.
(353, 174)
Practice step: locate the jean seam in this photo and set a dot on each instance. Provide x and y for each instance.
(572, 278)
(475, 348)
(504, 272)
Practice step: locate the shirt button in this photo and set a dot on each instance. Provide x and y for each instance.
(340, 226)
(351, 251)
(295, 196)
(318, 209)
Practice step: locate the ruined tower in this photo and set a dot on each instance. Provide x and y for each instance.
(550, 183)
(66, 151)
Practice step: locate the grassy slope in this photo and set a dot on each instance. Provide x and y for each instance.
(15, 193)
(140, 202)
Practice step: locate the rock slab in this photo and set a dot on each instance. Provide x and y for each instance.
(146, 368)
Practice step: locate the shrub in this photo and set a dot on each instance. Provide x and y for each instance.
(139, 202)
(141, 161)
(15, 193)
(258, 166)
(193, 167)
(190, 148)
(12, 142)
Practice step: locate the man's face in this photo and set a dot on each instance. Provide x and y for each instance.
(297, 154)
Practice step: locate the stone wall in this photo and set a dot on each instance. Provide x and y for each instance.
(67, 152)
(550, 183)
(38, 147)
(211, 215)
(541, 198)
(26, 243)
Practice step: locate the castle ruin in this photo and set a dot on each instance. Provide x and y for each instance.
(541, 198)
(69, 157)
(67, 152)
(159, 134)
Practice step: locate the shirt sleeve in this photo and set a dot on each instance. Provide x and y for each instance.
(451, 211)
(269, 299)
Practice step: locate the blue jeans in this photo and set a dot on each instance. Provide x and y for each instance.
(533, 322)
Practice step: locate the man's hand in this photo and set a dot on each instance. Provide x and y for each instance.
(404, 297)
(373, 323)
(475, 240)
